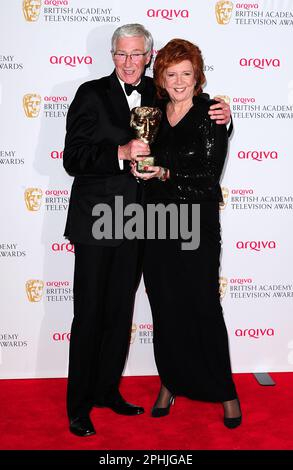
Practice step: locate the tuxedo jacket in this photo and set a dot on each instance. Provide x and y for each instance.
(98, 121)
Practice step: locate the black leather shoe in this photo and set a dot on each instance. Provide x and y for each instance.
(120, 406)
(232, 423)
(82, 426)
(160, 412)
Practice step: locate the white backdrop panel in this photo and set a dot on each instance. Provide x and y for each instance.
(50, 47)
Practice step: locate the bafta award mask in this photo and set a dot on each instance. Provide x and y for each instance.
(145, 121)
(226, 98)
(225, 194)
(31, 9)
(133, 333)
(34, 290)
(223, 12)
(223, 282)
(33, 198)
(31, 105)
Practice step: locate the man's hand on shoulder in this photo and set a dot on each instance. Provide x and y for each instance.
(220, 111)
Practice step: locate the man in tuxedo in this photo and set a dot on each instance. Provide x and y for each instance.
(99, 144)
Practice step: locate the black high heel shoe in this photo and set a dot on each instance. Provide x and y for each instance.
(160, 412)
(232, 423)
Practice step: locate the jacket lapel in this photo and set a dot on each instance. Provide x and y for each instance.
(118, 101)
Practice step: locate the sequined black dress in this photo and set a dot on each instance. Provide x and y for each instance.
(190, 337)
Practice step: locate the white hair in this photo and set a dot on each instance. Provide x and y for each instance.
(133, 30)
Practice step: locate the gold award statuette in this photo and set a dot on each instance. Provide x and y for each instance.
(145, 121)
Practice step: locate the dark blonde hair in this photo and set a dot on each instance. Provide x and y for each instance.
(173, 52)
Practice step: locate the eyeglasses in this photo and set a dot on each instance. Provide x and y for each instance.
(135, 57)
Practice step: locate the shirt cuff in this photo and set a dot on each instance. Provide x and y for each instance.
(121, 164)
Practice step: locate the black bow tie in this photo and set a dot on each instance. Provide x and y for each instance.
(130, 88)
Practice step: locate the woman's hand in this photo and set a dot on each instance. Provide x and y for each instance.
(153, 172)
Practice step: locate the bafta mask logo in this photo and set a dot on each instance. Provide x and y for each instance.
(223, 282)
(31, 9)
(225, 194)
(33, 198)
(34, 290)
(133, 333)
(31, 104)
(223, 12)
(226, 98)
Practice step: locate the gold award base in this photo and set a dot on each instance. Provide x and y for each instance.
(147, 161)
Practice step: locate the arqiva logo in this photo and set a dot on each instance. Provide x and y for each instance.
(258, 155)
(255, 333)
(242, 192)
(243, 100)
(167, 14)
(256, 245)
(247, 6)
(56, 3)
(56, 154)
(259, 63)
(70, 60)
(63, 247)
(241, 280)
(61, 336)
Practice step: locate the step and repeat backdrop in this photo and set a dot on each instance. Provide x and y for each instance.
(47, 49)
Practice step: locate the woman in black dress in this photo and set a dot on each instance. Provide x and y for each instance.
(190, 337)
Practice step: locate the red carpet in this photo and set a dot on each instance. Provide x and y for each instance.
(33, 417)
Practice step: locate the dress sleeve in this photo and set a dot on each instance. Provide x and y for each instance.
(87, 151)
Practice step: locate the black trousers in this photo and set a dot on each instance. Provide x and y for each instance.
(105, 282)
